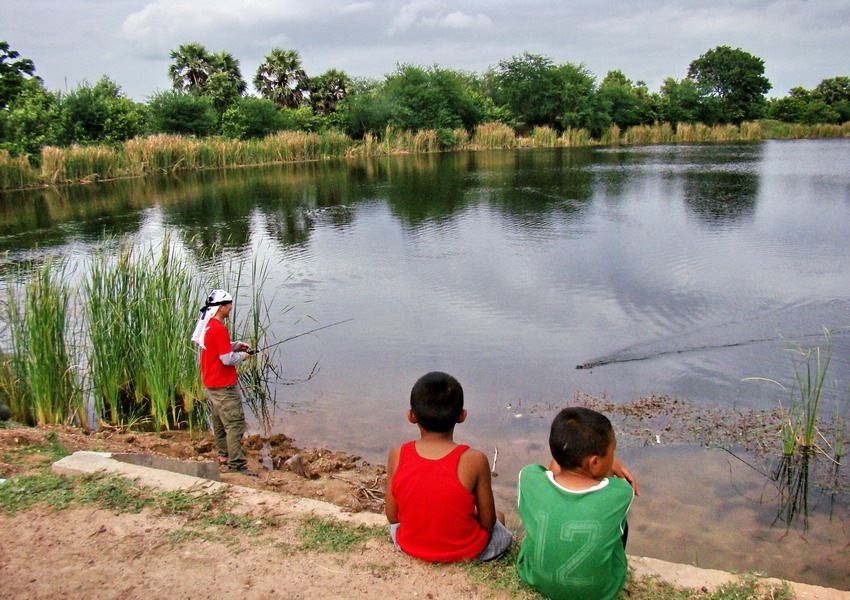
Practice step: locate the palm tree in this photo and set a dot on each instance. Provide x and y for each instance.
(191, 68)
(224, 62)
(281, 78)
(327, 90)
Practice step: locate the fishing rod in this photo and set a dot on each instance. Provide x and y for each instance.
(292, 337)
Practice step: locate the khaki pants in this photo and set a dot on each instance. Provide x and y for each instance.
(228, 420)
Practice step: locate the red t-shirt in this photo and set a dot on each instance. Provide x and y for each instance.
(216, 374)
(436, 513)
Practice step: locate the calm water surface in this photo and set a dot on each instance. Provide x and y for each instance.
(674, 270)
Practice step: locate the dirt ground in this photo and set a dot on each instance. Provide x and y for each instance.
(89, 552)
(336, 477)
(94, 553)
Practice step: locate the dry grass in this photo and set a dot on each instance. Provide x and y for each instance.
(158, 154)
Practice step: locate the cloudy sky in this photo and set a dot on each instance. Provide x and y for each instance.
(801, 41)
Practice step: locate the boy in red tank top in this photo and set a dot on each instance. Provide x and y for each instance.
(439, 500)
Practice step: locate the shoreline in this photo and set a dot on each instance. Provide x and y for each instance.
(682, 575)
(337, 482)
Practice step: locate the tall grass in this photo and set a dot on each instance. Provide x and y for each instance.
(126, 359)
(142, 367)
(46, 387)
(158, 154)
(493, 136)
(16, 172)
(108, 293)
(168, 358)
(81, 164)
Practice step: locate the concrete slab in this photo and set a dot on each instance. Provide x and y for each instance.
(206, 469)
(169, 480)
(695, 577)
(85, 462)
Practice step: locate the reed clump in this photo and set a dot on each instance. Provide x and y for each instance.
(81, 164)
(611, 137)
(124, 359)
(493, 136)
(162, 153)
(576, 138)
(462, 138)
(544, 137)
(642, 135)
(142, 367)
(16, 172)
(42, 381)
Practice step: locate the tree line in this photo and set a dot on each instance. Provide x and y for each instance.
(210, 97)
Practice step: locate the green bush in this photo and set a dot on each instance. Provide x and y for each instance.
(183, 114)
(252, 118)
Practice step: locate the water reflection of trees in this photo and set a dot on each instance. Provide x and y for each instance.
(217, 209)
(719, 198)
(546, 181)
(520, 184)
(54, 216)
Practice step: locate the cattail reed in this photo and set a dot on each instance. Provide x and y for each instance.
(42, 365)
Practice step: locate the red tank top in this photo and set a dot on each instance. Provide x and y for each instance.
(436, 513)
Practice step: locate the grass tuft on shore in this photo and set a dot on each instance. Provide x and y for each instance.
(324, 534)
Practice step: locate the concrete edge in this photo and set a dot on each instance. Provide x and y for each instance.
(85, 462)
(695, 577)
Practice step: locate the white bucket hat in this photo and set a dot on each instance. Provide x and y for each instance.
(207, 312)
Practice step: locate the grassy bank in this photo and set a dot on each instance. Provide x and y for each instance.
(159, 154)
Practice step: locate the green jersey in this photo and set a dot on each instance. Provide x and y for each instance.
(572, 547)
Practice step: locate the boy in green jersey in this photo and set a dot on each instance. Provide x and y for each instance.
(575, 513)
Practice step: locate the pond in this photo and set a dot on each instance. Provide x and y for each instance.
(678, 271)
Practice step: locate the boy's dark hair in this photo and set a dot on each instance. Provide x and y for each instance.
(436, 401)
(578, 433)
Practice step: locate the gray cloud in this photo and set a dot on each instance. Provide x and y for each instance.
(74, 40)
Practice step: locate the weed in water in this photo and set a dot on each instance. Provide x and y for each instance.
(811, 365)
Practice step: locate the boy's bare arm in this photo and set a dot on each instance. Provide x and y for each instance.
(390, 505)
(622, 472)
(475, 467)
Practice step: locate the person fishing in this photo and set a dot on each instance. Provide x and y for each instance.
(219, 357)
